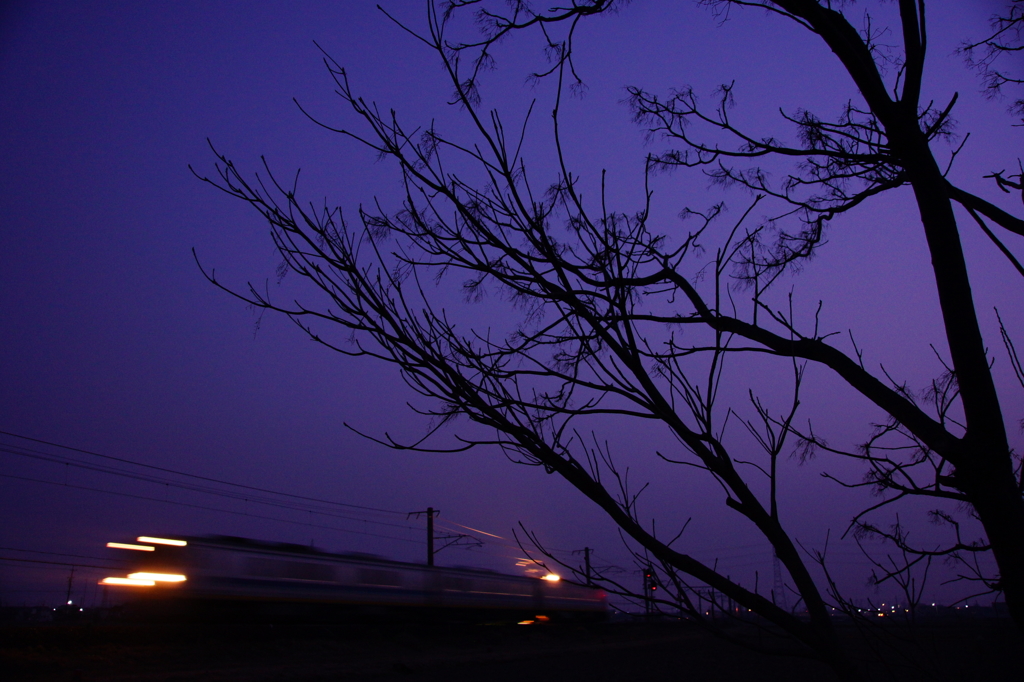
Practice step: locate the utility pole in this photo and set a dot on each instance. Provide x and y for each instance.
(778, 586)
(458, 539)
(430, 512)
(430, 536)
(586, 562)
(71, 579)
(650, 585)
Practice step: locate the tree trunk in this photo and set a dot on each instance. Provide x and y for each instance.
(982, 461)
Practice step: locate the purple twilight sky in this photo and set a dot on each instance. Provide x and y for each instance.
(111, 340)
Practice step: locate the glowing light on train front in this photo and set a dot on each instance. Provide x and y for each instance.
(552, 577)
(158, 577)
(162, 541)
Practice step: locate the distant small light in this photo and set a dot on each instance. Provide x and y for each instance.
(162, 541)
(158, 577)
(69, 602)
(127, 581)
(121, 545)
(552, 577)
(525, 622)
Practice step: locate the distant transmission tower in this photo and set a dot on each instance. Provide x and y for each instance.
(779, 588)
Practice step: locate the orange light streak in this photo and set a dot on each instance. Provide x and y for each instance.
(158, 577)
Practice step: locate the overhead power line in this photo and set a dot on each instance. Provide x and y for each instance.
(36, 551)
(58, 563)
(242, 492)
(198, 477)
(205, 508)
(257, 499)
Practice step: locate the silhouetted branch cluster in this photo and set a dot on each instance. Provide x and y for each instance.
(989, 55)
(619, 319)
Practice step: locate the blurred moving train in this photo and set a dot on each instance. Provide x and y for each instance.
(228, 574)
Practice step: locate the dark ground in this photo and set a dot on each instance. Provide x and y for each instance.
(982, 650)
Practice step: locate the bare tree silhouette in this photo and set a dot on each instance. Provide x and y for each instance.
(617, 319)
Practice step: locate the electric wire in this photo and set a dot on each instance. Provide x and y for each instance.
(295, 506)
(67, 461)
(208, 491)
(58, 563)
(205, 508)
(36, 551)
(198, 477)
(491, 540)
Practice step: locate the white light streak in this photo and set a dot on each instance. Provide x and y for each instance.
(127, 581)
(162, 541)
(122, 545)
